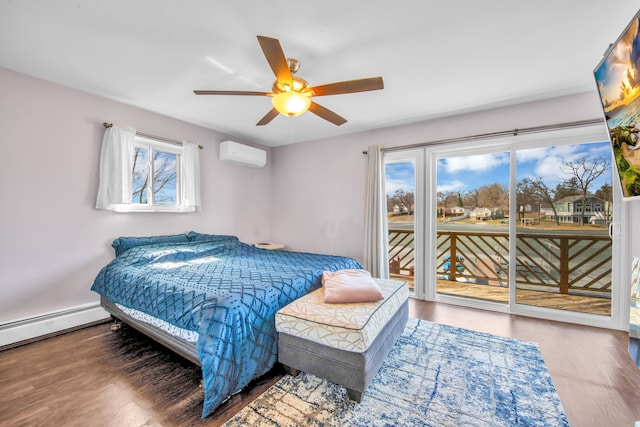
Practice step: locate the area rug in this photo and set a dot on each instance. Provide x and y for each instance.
(436, 375)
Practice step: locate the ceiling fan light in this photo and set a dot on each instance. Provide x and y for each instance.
(291, 103)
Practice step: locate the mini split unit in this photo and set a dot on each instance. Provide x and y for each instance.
(241, 154)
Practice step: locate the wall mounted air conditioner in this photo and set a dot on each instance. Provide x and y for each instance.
(241, 154)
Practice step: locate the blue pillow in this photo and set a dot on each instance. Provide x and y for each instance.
(122, 244)
(217, 238)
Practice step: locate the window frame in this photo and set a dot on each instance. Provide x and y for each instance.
(153, 146)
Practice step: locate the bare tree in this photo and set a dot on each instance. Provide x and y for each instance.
(449, 199)
(470, 198)
(402, 198)
(494, 196)
(524, 196)
(140, 176)
(164, 174)
(583, 172)
(535, 190)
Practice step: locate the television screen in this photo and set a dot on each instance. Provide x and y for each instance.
(618, 80)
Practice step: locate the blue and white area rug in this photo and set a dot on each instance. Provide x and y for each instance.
(436, 375)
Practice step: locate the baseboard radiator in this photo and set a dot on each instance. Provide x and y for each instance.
(24, 331)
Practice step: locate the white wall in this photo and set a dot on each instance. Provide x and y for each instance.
(309, 197)
(318, 187)
(52, 240)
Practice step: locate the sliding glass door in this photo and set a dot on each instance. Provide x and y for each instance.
(404, 195)
(472, 225)
(517, 224)
(564, 209)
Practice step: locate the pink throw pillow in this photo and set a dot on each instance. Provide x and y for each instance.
(345, 286)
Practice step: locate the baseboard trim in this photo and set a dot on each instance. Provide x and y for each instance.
(24, 331)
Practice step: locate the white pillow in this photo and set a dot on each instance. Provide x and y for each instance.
(346, 286)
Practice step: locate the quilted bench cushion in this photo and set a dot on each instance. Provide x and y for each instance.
(349, 327)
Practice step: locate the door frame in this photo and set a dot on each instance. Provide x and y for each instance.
(417, 156)
(425, 284)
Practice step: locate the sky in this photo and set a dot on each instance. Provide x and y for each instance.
(465, 173)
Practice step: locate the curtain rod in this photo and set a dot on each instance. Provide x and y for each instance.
(146, 135)
(514, 132)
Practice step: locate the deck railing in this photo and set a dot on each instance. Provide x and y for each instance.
(554, 262)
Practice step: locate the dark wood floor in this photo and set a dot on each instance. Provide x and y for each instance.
(95, 377)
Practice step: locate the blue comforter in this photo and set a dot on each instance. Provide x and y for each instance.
(223, 289)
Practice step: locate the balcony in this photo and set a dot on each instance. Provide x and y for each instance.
(554, 269)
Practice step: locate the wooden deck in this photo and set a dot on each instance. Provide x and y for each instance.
(582, 304)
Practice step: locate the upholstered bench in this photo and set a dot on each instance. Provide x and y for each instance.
(343, 343)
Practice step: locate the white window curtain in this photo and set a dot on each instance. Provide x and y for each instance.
(376, 234)
(116, 163)
(190, 177)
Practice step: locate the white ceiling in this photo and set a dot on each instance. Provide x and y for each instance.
(437, 58)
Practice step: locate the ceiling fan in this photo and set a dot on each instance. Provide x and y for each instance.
(291, 95)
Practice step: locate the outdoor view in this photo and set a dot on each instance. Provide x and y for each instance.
(563, 209)
(153, 183)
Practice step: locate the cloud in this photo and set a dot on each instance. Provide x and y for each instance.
(400, 175)
(550, 169)
(532, 154)
(548, 163)
(451, 186)
(481, 162)
(393, 184)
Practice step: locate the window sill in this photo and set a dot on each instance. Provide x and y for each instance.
(167, 209)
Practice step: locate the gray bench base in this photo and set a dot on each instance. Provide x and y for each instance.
(349, 369)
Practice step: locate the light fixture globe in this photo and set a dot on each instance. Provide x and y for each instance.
(291, 103)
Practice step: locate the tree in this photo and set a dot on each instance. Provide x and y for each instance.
(401, 198)
(471, 198)
(448, 199)
(140, 177)
(537, 191)
(493, 196)
(164, 176)
(606, 193)
(583, 172)
(566, 188)
(524, 196)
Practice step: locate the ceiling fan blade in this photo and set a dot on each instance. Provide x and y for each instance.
(326, 114)
(276, 59)
(230, 92)
(272, 114)
(350, 86)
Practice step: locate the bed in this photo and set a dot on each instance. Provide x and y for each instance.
(211, 299)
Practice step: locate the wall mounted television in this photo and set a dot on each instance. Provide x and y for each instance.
(618, 79)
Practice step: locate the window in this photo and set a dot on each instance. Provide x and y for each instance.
(155, 175)
(143, 174)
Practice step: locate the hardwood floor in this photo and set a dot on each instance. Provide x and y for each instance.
(96, 377)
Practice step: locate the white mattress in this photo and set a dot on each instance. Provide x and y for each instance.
(350, 327)
(176, 331)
